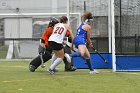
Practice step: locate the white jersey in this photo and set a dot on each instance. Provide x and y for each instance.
(58, 34)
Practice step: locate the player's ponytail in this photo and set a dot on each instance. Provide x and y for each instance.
(87, 17)
(63, 19)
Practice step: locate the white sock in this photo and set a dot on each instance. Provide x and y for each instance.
(56, 63)
(53, 58)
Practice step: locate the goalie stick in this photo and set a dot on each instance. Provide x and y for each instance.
(42, 62)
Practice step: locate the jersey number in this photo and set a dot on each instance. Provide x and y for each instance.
(59, 30)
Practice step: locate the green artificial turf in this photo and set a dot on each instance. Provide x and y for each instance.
(16, 78)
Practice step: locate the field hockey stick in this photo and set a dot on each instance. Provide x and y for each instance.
(42, 62)
(100, 55)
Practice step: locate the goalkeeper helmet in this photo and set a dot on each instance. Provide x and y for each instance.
(53, 21)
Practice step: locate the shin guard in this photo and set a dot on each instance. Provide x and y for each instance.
(37, 61)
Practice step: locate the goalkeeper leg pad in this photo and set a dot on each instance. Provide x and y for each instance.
(36, 62)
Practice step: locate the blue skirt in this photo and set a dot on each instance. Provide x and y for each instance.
(79, 41)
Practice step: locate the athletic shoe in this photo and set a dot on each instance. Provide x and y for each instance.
(96, 71)
(72, 68)
(68, 57)
(32, 68)
(55, 70)
(51, 71)
(91, 72)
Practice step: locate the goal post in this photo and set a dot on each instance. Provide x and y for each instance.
(113, 34)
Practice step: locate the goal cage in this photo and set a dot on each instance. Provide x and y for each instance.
(25, 31)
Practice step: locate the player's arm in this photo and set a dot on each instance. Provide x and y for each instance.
(41, 47)
(88, 36)
(71, 34)
(45, 36)
(42, 40)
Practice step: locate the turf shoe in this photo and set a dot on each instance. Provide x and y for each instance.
(91, 72)
(51, 71)
(96, 72)
(55, 70)
(71, 68)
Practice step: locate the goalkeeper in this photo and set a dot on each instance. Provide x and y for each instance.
(46, 51)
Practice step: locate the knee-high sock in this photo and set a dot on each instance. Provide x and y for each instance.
(89, 64)
(75, 54)
(56, 63)
(53, 58)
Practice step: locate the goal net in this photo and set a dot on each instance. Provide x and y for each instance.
(27, 28)
(40, 23)
(127, 32)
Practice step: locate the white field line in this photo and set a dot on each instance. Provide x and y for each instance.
(14, 66)
(132, 73)
(10, 81)
(15, 60)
